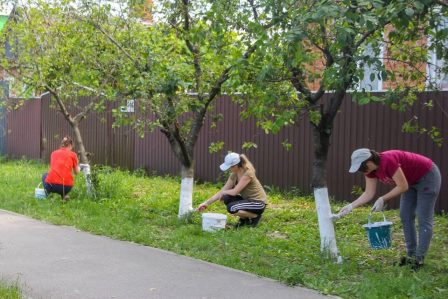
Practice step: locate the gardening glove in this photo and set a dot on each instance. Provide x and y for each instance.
(334, 217)
(344, 211)
(378, 205)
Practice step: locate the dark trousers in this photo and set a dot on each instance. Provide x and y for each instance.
(237, 203)
(55, 188)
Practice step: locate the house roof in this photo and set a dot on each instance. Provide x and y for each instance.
(3, 20)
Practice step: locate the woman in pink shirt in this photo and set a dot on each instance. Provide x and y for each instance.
(416, 178)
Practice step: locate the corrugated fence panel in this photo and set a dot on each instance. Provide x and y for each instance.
(153, 153)
(122, 142)
(3, 93)
(378, 127)
(2, 131)
(94, 131)
(375, 126)
(54, 127)
(23, 131)
(276, 166)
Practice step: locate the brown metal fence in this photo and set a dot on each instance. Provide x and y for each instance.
(375, 126)
(104, 144)
(23, 132)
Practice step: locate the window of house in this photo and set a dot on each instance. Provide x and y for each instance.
(371, 81)
(437, 77)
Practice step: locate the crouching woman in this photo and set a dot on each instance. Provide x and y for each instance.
(63, 164)
(242, 194)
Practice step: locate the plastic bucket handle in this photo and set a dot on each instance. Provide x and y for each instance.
(370, 217)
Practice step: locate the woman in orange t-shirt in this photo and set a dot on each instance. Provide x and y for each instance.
(63, 164)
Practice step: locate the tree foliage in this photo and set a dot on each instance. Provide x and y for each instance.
(319, 47)
(53, 50)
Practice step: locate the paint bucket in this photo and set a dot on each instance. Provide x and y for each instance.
(213, 221)
(379, 233)
(40, 193)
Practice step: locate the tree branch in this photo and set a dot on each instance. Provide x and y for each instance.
(193, 49)
(254, 9)
(112, 40)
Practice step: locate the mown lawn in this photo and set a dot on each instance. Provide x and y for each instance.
(285, 246)
(9, 291)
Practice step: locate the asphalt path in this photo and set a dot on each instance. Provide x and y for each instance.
(52, 262)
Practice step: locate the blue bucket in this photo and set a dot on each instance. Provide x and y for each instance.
(379, 233)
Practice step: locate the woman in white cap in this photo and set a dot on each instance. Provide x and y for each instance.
(243, 194)
(416, 178)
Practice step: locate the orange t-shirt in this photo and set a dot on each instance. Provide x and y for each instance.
(62, 162)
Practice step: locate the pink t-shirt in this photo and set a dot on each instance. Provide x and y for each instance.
(414, 166)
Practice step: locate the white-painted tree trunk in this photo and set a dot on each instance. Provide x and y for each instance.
(326, 227)
(85, 168)
(186, 197)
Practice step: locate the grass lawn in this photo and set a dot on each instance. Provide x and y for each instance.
(9, 291)
(285, 246)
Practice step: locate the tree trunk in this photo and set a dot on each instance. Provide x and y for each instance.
(186, 191)
(84, 161)
(80, 144)
(319, 183)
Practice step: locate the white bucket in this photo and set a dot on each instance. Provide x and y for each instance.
(40, 193)
(213, 221)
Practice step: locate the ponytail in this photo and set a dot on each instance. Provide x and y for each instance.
(245, 163)
(66, 141)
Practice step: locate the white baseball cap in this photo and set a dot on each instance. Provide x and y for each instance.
(230, 160)
(358, 156)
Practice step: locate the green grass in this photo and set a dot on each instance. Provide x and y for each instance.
(9, 291)
(284, 247)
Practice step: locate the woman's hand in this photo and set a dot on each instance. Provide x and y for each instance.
(201, 207)
(345, 211)
(378, 205)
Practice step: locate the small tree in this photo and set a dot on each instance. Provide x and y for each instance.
(323, 47)
(176, 69)
(54, 52)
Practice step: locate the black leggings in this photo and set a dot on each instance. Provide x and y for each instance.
(55, 188)
(238, 203)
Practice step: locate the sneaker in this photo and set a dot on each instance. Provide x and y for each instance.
(405, 260)
(254, 221)
(66, 198)
(416, 265)
(242, 222)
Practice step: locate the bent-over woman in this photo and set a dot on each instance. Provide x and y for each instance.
(416, 178)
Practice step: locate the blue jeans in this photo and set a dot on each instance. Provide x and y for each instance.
(419, 201)
(55, 188)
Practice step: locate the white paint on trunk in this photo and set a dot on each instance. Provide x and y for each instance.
(85, 168)
(327, 234)
(186, 197)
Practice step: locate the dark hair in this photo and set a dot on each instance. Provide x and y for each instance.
(375, 158)
(245, 163)
(66, 141)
